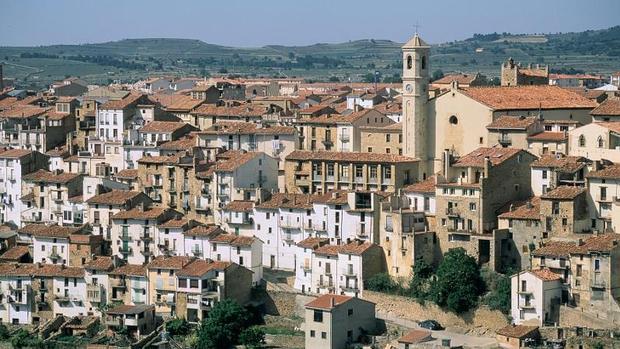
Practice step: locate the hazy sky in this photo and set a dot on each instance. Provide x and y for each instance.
(290, 22)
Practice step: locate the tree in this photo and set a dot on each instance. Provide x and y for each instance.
(178, 327)
(499, 294)
(420, 279)
(252, 337)
(4, 332)
(458, 284)
(23, 339)
(334, 79)
(221, 328)
(381, 282)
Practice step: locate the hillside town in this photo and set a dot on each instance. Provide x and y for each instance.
(128, 206)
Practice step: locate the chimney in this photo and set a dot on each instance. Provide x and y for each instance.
(512, 207)
(580, 242)
(332, 302)
(487, 166)
(446, 163)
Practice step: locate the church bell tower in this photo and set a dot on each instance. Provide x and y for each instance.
(416, 54)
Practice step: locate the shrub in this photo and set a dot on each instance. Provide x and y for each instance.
(381, 282)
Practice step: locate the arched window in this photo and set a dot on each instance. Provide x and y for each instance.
(582, 141)
(409, 62)
(453, 120)
(423, 62)
(600, 142)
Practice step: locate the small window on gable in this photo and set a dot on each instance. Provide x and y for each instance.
(453, 120)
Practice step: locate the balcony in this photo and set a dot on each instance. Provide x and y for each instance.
(389, 227)
(146, 251)
(504, 140)
(54, 255)
(146, 236)
(362, 231)
(452, 212)
(319, 227)
(327, 143)
(350, 288)
(290, 223)
(197, 252)
(125, 249)
(344, 138)
(327, 284)
(118, 283)
(126, 237)
(307, 268)
(526, 306)
(94, 293)
(114, 321)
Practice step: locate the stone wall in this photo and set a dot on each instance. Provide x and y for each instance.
(481, 322)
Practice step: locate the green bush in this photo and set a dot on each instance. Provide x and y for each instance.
(498, 297)
(458, 284)
(252, 337)
(381, 282)
(4, 332)
(223, 325)
(178, 327)
(23, 339)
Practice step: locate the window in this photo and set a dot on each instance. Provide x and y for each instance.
(193, 283)
(423, 65)
(597, 264)
(373, 172)
(453, 120)
(183, 283)
(387, 172)
(312, 333)
(544, 174)
(582, 141)
(318, 316)
(387, 137)
(324, 335)
(472, 206)
(600, 142)
(350, 312)
(409, 62)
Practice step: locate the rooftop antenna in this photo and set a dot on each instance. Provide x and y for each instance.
(416, 26)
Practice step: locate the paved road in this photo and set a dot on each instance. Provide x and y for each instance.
(467, 341)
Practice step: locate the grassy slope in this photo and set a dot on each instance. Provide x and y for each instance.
(592, 51)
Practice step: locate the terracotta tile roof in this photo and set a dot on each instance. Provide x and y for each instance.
(545, 274)
(287, 200)
(129, 100)
(306, 155)
(183, 223)
(53, 115)
(127, 309)
(127, 174)
(139, 213)
(561, 162)
(426, 186)
(14, 153)
(528, 97)
(564, 192)
(44, 176)
(337, 119)
(240, 206)
(548, 136)
(58, 152)
(328, 250)
(114, 197)
(162, 126)
(601, 243)
(103, 263)
(234, 163)
(23, 111)
(42, 270)
(355, 247)
(512, 123)
(243, 128)
(393, 128)
(496, 156)
(182, 103)
(517, 331)
(462, 79)
(534, 72)
(208, 231)
(244, 110)
(233, 240)
(328, 301)
(610, 125)
(130, 270)
(55, 231)
(556, 249)
(609, 107)
(610, 172)
(528, 209)
(416, 336)
(200, 267)
(313, 242)
(184, 143)
(169, 262)
(15, 253)
(334, 197)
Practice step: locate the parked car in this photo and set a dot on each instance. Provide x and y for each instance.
(430, 325)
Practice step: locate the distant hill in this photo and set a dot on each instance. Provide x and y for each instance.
(593, 51)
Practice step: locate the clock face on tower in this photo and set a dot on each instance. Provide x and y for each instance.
(409, 88)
